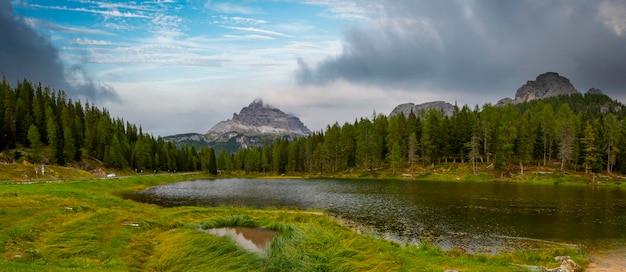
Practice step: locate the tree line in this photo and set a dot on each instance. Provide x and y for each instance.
(572, 132)
(56, 129)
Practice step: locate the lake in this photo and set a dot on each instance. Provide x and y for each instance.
(478, 217)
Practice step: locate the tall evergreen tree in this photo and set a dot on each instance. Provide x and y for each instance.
(610, 126)
(395, 158)
(55, 141)
(566, 131)
(69, 149)
(34, 138)
(212, 166)
(589, 148)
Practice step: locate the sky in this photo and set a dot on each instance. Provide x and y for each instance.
(182, 66)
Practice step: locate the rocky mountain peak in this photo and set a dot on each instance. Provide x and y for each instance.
(594, 91)
(258, 120)
(256, 103)
(406, 108)
(253, 125)
(545, 85)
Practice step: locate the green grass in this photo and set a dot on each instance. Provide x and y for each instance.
(83, 225)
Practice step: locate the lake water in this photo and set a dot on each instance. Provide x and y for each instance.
(252, 239)
(477, 217)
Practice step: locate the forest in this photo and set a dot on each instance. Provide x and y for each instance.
(581, 132)
(42, 125)
(573, 132)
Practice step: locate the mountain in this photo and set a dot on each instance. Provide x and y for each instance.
(549, 85)
(406, 108)
(546, 85)
(251, 127)
(258, 119)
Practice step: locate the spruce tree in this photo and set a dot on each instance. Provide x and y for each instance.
(34, 138)
(212, 165)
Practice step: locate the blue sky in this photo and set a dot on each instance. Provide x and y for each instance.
(182, 66)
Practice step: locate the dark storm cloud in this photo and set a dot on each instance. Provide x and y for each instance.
(25, 54)
(481, 46)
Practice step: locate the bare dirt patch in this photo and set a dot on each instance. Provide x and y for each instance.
(608, 261)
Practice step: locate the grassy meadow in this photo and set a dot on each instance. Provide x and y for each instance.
(84, 225)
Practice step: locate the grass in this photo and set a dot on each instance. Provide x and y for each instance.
(84, 225)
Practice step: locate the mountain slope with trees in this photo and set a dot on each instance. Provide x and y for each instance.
(575, 132)
(42, 125)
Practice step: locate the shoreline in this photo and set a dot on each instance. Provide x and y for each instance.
(599, 261)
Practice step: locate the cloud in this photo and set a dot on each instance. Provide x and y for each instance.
(230, 8)
(111, 11)
(236, 20)
(257, 30)
(34, 23)
(347, 10)
(247, 37)
(25, 54)
(486, 47)
(90, 42)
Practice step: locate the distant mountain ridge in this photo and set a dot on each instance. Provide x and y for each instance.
(250, 127)
(546, 85)
(406, 108)
(549, 84)
(259, 119)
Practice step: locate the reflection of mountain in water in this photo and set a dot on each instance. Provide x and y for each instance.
(252, 239)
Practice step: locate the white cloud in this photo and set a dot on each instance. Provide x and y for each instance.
(38, 23)
(90, 42)
(247, 37)
(236, 20)
(257, 30)
(106, 13)
(348, 10)
(614, 15)
(230, 8)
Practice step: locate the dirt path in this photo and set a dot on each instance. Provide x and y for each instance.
(609, 261)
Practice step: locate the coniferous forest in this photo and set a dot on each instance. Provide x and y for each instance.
(55, 129)
(581, 132)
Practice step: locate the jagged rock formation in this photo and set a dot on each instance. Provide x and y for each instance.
(594, 91)
(505, 101)
(546, 85)
(251, 127)
(187, 139)
(406, 108)
(259, 119)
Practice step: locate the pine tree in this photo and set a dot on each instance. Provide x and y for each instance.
(589, 148)
(524, 146)
(54, 137)
(221, 160)
(611, 134)
(395, 158)
(566, 131)
(68, 144)
(115, 158)
(34, 138)
(212, 166)
(412, 149)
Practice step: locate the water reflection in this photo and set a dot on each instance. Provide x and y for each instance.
(252, 239)
(477, 216)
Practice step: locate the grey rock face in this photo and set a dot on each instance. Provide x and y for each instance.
(259, 119)
(254, 123)
(406, 108)
(594, 91)
(505, 101)
(546, 85)
(250, 127)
